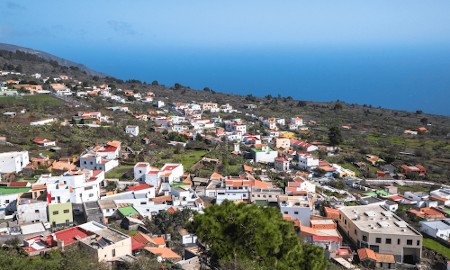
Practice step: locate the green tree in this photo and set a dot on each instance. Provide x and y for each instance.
(335, 136)
(337, 106)
(237, 234)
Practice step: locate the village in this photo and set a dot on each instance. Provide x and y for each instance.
(370, 213)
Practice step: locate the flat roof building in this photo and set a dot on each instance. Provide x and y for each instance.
(374, 227)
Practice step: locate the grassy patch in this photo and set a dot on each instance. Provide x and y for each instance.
(416, 188)
(349, 166)
(188, 158)
(436, 246)
(119, 171)
(42, 100)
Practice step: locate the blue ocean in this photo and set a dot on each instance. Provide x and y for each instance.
(397, 77)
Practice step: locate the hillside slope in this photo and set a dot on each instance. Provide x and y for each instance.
(50, 57)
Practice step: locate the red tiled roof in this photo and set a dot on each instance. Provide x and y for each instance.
(141, 165)
(139, 187)
(18, 184)
(72, 235)
(136, 245)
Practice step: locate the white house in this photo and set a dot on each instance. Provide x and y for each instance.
(265, 154)
(13, 162)
(159, 104)
(304, 146)
(109, 151)
(8, 197)
(97, 162)
(140, 197)
(239, 128)
(297, 121)
(306, 161)
(132, 130)
(436, 229)
(300, 186)
(271, 123)
(297, 208)
(169, 173)
(75, 187)
(31, 211)
(187, 238)
(233, 136)
(238, 189)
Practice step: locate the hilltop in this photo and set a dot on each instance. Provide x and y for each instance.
(49, 58)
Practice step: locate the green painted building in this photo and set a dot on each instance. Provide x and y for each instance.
(60, 214)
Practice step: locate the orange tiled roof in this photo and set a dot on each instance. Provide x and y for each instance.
(158, 241)
(142, 238)
(368, 254)
(115, 144)
(216, 176)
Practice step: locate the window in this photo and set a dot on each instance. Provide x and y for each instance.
(296, 213)
(6, 201)
(88, 188)
(418, 242)
(388, 241)
(375, 248)
(92, 163)
(285, 212)
(114, 252)
(365, 238)
(378, 240)
(85, 162)
(66, 211)
(356, 232)
(409, 242)
(398, 241)
(36, 211)
(345, 221)
(91, 195)
(55, 212)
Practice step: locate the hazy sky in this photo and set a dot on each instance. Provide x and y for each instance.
(53, 25)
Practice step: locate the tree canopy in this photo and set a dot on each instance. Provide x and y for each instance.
(72, 259)
(246, 234)
(335, 136)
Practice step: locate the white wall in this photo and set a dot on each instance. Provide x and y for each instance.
(13, 162)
